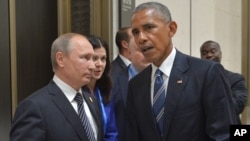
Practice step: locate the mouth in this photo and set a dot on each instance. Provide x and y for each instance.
(146, 49)
(88, 76)
(97, 71)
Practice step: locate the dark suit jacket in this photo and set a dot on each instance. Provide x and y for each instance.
(47, 115)
(239, 90)
(116, 67)
(198, 103)
(119, 95)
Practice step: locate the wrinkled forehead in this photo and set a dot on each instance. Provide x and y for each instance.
(143, 18)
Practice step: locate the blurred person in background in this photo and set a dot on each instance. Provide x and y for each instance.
(120, 86)
(100, 86)
(211, 50)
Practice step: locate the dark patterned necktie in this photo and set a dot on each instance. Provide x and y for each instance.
(81, 112)
(159, 99)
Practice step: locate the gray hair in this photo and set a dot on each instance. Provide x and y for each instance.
(61, 44)
(159, 9)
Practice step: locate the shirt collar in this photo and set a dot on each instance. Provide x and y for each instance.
(167, 64)
(125, 60)
(68, 91)
(132, 71)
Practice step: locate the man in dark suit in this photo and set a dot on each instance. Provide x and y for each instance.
(195, 101)
(210, 50)
(51, 113)
(120, 86)
(120, 64)
(122, 40)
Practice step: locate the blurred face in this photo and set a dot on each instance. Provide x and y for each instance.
(76, 67)
(137, 59)
(211, 51)
(100, 57)
(153, 35)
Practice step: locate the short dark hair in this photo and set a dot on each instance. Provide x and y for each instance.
(122, 35)
(210, 42)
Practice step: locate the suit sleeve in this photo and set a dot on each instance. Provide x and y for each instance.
(27, 124)
(218, 104)
(239, 91)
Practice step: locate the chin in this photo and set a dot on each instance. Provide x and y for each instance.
(85, 82)
(97, 77)
(151, 59)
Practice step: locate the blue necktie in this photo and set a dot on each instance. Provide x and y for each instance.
(131, 72)
(159, 99)
(81, 112)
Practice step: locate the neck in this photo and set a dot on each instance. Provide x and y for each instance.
(91, 85)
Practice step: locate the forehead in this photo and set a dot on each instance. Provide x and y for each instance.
(81, 44)
(210, 46)
(82, 41)
(100, 50)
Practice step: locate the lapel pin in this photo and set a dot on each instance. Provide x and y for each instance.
(179, 82)
(90, 99)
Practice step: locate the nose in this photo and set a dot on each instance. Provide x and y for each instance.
(98, 62)
(91, 65)
(209, 55)
(141, 38)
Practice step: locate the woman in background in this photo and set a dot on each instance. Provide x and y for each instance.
(100, 85)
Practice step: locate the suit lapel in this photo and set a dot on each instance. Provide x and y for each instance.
(176, 83)
(93, 107)
(121, 63)
(95, 110)
(145, 92)
(123, 83)
(68, 111)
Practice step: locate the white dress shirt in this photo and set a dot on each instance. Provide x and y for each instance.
(125, 60)
(70, 93)
(166, 68)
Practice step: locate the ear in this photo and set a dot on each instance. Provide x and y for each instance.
(173, 28)
(124, 44)
(60, 59)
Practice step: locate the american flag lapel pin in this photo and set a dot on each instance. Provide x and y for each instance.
(179, 82)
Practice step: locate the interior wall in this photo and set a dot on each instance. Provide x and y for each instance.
(5, 83)
(80, 16)
(222, 23)
(246, 54)
(36, 29)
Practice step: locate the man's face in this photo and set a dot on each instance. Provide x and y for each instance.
(78, 65)
(152, 35)
(211, 51)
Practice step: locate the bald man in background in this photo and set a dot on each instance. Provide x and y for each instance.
(211, 50)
